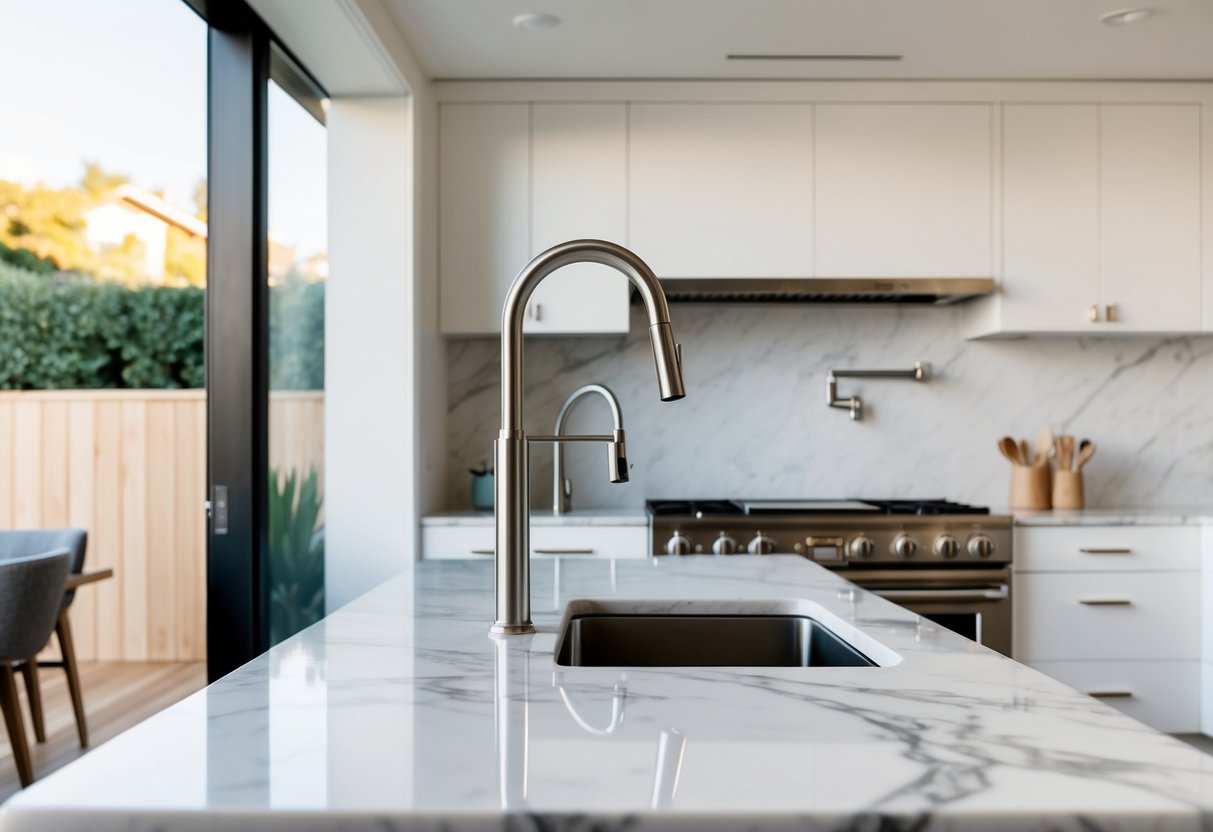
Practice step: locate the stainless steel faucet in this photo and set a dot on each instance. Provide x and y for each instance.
(617, 453)
(513, 518)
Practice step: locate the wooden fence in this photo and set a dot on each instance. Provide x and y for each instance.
(130, 466)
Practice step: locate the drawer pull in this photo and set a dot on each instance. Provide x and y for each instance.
(564, 551)
(483, 552)
(1105, 602)
(1107, 551)
(1110, 694)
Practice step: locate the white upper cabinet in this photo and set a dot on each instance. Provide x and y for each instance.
(1101, 220)
(1149, 216)
(1050, 207)
(903, 190)
(722, 190)
(483, 223)
(579, 190)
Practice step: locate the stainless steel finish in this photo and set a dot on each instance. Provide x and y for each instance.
(724, 544)
(1105, 602)
(761, 544)
(483, 552)
(671, 746)
(946, 546)
(678, 544)
(861, 547)
(854, 404)
(904, 546)
(936, 291)
(1110, 694)
(604, 640)
(981, 546)
(617, 464)
(564, 551)
(1106, 551)
(906, 596)
(513, 613)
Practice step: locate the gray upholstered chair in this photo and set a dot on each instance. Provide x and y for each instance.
(31, 597)
(22, 543)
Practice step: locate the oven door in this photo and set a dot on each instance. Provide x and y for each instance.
(976, 603)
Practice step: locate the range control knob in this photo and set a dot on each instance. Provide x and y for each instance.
(761, 545)
(981, 546)
(860, 547)
(946, 546)
(679, 544)
(904, 546)
(724, 545)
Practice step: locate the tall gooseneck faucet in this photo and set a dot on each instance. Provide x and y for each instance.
(617, 454)
(512, 508)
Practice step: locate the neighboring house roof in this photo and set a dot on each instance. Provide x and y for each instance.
(161, 209)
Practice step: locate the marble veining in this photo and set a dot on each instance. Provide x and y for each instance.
(398, 712)
(755, 424)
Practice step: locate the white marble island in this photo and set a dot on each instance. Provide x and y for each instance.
(400, 713)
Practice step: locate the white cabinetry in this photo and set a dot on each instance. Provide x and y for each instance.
(1101, 219)
(903, 190)
(722, 190)
(515, 179)
(1115, 612)
(446, 542)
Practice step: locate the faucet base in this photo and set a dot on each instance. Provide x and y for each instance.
(502, 629)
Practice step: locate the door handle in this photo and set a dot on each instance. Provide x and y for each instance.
(1105, 551)
(1105, 602)
(1110, 694)
(484, 552)
(912, 595)
(563, 551)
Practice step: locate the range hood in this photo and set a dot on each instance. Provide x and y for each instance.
(929, 291)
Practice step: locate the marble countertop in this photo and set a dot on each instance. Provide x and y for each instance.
(399, 712)
(540, 517)
(1150, 516)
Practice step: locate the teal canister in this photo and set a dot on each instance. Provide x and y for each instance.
(482, 489)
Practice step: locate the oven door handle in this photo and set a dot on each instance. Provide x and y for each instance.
(1000, 593)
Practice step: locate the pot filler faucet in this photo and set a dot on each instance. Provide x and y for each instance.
(513, 518)
(617, 453)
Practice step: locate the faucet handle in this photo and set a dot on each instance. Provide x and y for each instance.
(617, 458)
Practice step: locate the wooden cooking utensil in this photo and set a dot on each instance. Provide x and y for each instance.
(1086, 450)
(1009, 449)
(1025, 454)
(1044, 446)
(1065, 452)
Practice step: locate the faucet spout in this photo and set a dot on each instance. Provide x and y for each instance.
(512, 472)
(617, 455)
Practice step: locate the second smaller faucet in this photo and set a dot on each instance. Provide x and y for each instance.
(617, 455)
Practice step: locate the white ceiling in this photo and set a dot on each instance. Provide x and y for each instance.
(1031, 39)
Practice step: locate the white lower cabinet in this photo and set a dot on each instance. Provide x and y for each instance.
(1115, 612)
(453, 542)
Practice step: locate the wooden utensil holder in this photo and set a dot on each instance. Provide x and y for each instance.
(1067, 489)
(1031, 487)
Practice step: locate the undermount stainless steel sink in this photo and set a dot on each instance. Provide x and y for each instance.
(720, 640)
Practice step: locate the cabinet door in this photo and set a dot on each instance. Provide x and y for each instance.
(1050, 269)
(579, 190)
(722, 190)
(903, 190)
(1150, 216)
(483, 227)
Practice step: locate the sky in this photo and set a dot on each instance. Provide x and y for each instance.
(123, 83)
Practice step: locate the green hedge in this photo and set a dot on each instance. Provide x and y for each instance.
(62, 332)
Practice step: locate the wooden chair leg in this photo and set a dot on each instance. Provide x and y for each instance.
(15, 725)
(64, 630)
(30, 671)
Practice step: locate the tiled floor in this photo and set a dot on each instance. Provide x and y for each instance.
(116, 696)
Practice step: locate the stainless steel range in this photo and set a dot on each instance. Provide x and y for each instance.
(948, 562)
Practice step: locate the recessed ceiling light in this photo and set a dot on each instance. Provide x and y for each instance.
(1123, 17)
(536, 21)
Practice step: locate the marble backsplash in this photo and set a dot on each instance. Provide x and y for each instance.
(755, 422)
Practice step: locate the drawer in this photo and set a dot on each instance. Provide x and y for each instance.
(1083, 616)
(1163, 695)
(1107, 548)
(444, 542)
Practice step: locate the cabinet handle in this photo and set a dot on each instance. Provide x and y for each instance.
(483, 552)
(1105, 602)
(1093, 313)
(1110, 694)
(1110, 313)
(1095, 550)
(564, 551)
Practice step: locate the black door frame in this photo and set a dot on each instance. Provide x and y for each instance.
(242, 58)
